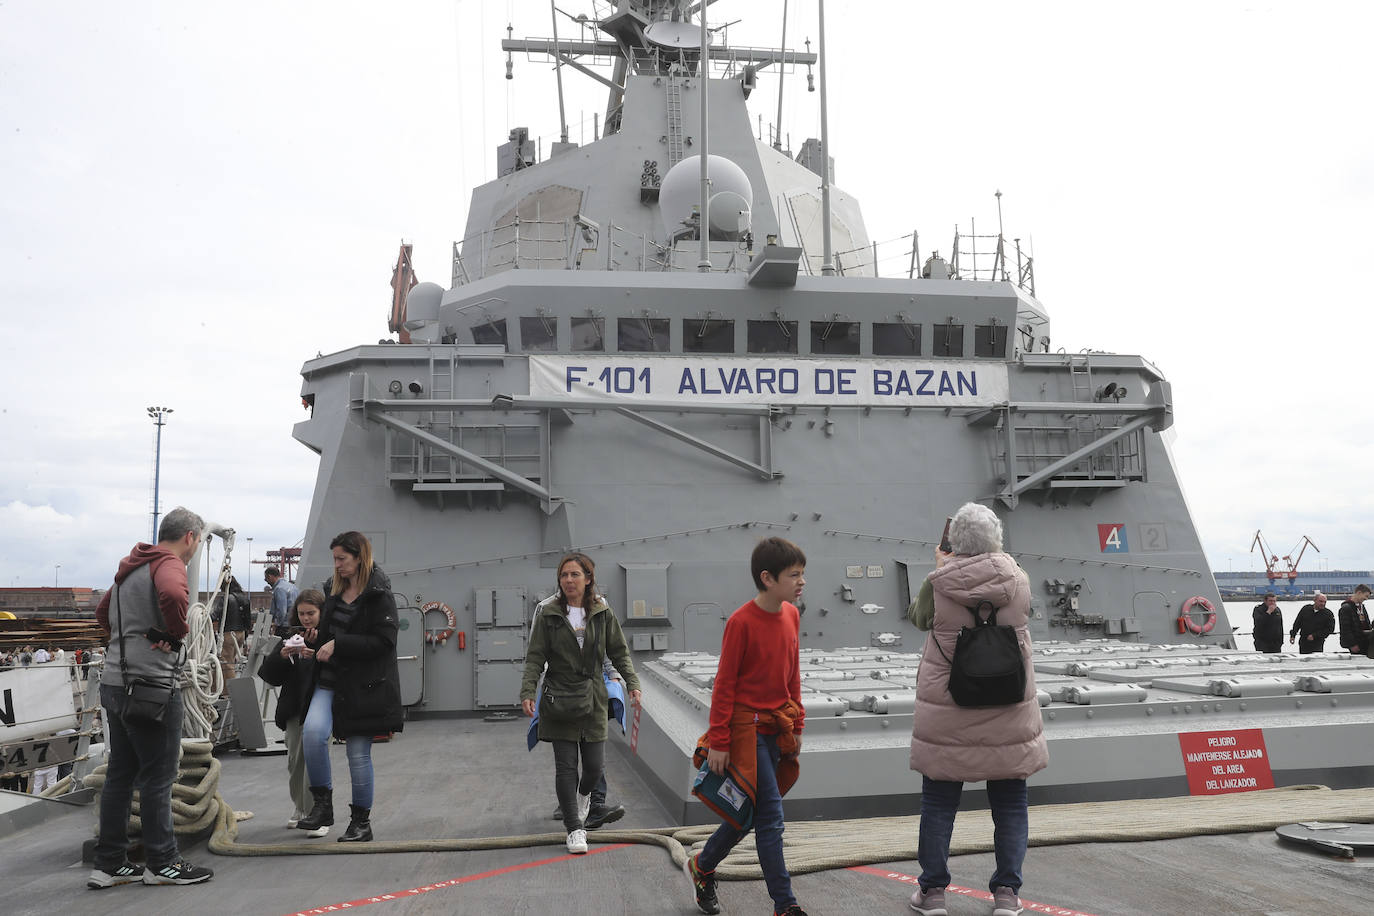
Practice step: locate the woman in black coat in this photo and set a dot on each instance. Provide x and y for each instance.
(357, 687)
(290, 666)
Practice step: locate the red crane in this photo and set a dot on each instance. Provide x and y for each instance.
(1285, 567)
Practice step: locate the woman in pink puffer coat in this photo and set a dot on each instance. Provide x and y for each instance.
(951, 744)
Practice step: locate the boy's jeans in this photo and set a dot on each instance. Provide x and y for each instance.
(768, 828)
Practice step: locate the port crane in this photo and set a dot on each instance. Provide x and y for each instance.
(1286, 567)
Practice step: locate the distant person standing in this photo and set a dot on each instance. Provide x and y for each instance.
(1355, 622)
(1313, 624)
(236, 620)
(150, 591)
(284, 595)
(1268, 625)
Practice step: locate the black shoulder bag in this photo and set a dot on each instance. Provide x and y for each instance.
(987, 668)
(146, 701)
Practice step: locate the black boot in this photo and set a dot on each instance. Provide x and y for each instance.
(359, 827)
(322, 815)
(603, 813)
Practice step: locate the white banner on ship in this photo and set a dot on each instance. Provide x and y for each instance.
(770, 380)
(35, 700)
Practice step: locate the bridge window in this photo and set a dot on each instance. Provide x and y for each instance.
(772, 336)
(492, 332)
(841, 337)
(708, 335)
(949, 340)
(642, 335)
(990, 340)
(538, 335)
(896, 338)
(588, 335)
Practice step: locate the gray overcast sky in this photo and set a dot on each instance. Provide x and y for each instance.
(197, 198)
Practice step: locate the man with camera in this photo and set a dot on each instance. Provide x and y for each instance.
(143, 618)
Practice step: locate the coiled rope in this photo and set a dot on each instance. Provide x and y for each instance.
(196, 802)
(202, 680)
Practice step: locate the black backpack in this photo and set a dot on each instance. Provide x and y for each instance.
(987, 668)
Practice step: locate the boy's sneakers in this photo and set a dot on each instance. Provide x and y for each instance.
(322, 830)
(127, 873)
(1005, 902)
(577, 842)
(703, 886)
(178, 872)
(792, 910)
(929, 902)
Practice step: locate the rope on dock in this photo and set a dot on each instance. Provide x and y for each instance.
(196, 802)
(814, 846)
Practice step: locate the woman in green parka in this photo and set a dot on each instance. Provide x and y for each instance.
(571, 635)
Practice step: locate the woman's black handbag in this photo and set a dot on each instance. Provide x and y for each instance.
(987, 668)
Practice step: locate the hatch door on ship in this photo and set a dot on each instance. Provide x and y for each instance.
(410, 656)
(499, 618)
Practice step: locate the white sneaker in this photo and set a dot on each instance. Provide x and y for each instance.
(318, 831)
(577, 842)
(584, 807)
(291, 821)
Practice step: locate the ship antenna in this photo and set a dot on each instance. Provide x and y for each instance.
(827, 262)
(704, 264)
(782, 78)
(558, 73)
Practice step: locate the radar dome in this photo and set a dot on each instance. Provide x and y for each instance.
(731, 194)
(422, 312)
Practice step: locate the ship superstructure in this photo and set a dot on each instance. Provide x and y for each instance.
(599, 376)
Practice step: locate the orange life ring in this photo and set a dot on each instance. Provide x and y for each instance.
(1187, 622)
(440, 636)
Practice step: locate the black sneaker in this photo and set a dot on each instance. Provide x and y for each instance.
(792, 910)
(704, 886)
(603, 814)
(178, 872)
(127, 873)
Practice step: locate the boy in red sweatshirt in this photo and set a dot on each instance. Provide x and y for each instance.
(756, 720)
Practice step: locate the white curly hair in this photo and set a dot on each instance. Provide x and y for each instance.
(975, 529)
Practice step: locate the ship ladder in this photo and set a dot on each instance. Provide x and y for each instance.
(673, 93)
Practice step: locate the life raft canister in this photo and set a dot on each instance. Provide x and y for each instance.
(440, 636)
(1189, 624)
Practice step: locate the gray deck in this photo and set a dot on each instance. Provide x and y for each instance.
(467, 778)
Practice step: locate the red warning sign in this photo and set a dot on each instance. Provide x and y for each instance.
(1231, 761)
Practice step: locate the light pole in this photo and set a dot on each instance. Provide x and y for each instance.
(250, 570)
(54, 574)
(158, 415)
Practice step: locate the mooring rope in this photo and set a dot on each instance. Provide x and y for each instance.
(814, 846)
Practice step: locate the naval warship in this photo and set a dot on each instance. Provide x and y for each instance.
(658, 346)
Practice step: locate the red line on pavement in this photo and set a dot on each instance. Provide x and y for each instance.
(450, 882)
(969, 892)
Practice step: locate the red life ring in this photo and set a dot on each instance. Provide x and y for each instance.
(1187, 622)
(440, 636)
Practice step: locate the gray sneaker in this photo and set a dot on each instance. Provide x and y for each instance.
(1005, 902)
(929, 902)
